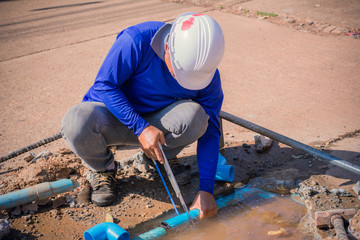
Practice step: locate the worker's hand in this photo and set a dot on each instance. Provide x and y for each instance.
(205, 202)
(149, 139)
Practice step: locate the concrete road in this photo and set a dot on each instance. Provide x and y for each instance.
(50, 52)
(301, 85)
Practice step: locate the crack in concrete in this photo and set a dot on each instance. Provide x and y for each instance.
(339, 138)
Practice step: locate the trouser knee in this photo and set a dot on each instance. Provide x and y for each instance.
(198, 122)
(77, 123)
(186, 122)
(81, 129)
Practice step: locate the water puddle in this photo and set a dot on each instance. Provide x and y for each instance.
(276, 218)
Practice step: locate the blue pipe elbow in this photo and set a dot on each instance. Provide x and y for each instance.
(224, 172)
(221, 160)
(106, 231)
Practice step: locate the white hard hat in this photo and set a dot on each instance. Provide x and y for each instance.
(196, 45)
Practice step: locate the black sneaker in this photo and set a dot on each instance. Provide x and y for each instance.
(103, 186)
(181, 173)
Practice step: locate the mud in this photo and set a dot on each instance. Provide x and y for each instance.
(271, 219)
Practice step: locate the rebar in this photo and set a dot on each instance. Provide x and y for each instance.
(290, 142)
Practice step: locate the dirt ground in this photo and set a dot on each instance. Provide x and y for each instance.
(142, 202)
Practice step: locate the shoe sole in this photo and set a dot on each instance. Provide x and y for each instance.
(183, 178)
(103, 204)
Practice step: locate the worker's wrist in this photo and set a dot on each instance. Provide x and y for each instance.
(206, 186)
(141, 127)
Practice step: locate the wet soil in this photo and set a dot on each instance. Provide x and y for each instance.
(266, 219)
(142, 200)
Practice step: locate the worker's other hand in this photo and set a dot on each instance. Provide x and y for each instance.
(205, 202)
(149, 139)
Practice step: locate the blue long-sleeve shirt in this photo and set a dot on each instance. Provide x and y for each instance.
(133, 81)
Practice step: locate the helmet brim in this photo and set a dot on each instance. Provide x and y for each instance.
(193, 80)
(158, 41)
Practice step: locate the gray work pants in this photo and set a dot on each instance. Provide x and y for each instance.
(89, 128)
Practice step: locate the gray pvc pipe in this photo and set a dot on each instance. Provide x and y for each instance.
(290, 142)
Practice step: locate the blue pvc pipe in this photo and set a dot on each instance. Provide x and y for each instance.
(182, 218)
(152, 234)
(37, 192)
(224, 173)
(106, 231)
(221, 160)
(246, 194)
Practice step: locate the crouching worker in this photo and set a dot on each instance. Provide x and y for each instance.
(158, 83)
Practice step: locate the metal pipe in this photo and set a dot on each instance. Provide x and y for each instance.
(290, 142)
(338, 223)
(30, 147)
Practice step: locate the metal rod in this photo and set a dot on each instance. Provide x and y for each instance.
(290, 142)
(30, 147)
(338, 223)
(222, 142)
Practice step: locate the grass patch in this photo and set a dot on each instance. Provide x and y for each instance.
(266, 14)
(246, 11)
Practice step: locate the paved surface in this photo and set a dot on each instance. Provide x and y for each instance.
(50, 53)
(299, 84)
(302, 85)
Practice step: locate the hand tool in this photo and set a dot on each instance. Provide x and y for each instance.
(173, 182)
(167, 190)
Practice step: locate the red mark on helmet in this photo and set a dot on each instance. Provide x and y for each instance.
(187, 24)
(198, 14)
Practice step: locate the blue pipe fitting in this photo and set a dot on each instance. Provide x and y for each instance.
(106, 231)
(37, 192)
(224, 173)
(244, 195)
(152, 234)
(221, 160)
(170, 223)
